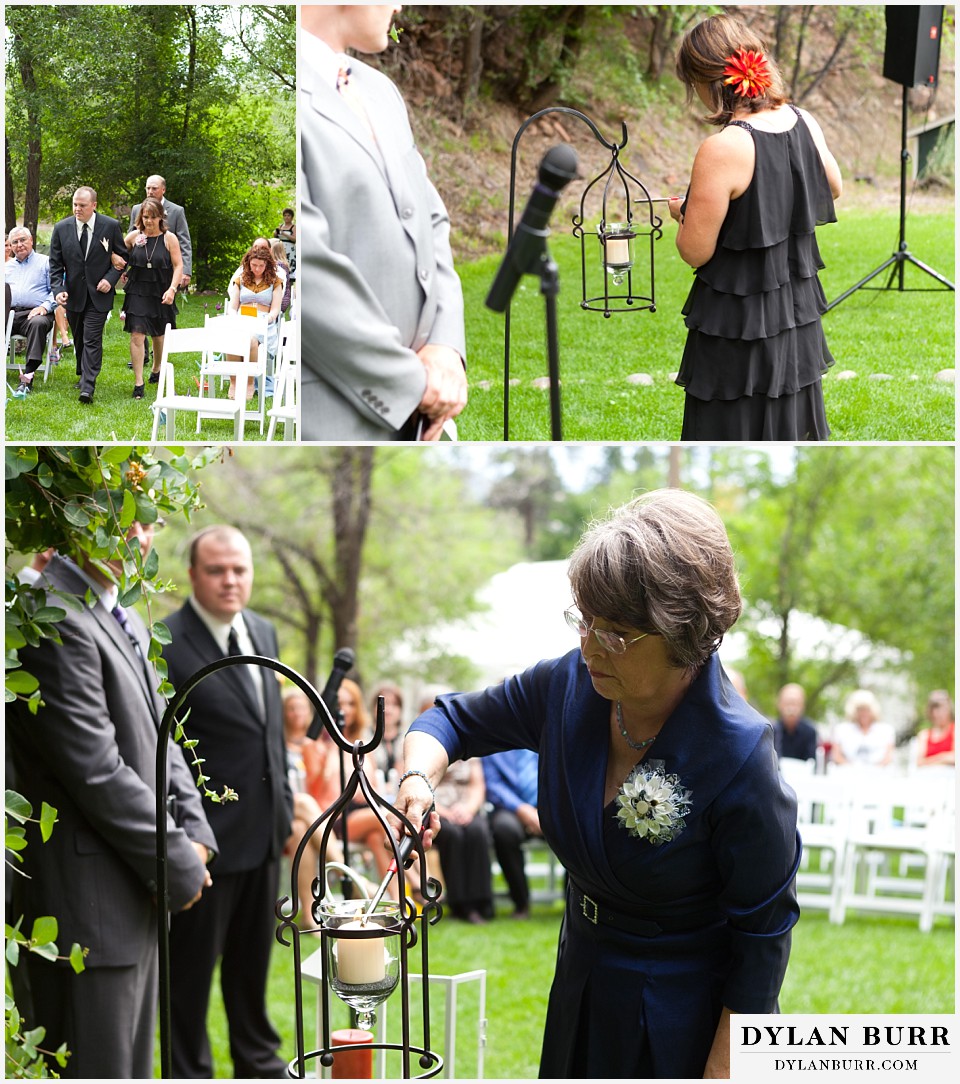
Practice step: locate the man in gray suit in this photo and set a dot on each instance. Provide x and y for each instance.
(176, 221)
(382, 336)
(90, 751)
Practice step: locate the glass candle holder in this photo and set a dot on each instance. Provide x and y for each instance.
(617, 241)
(363, 954)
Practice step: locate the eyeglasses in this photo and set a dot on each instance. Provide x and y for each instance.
(609, 641)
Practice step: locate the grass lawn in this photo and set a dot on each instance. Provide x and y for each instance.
(52, 412)
(871, 964)
(893, 342)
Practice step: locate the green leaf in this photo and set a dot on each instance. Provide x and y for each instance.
(77, 958)
(45, 475)
(22, 682)
(15, 805)
(151, 566)
(14, 839)
(160, 633)
(13, 952)
(48, 818)
(50, 614)
(47, 951)
(132, 595)
(115, 454)
(75, 514)
(129, 510)
(18, 461)
(44, 929)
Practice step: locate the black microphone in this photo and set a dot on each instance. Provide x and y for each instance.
(342, 663)
(557, 168)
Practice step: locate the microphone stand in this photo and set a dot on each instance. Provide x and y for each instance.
(902, 256)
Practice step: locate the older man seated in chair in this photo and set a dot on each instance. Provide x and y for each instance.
(31, 297)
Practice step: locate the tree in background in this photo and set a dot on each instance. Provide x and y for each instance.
(359, 548)
(202, 95)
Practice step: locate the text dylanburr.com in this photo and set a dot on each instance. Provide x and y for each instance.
(767, 1049)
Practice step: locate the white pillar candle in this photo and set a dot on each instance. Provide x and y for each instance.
(618, 250)
(360, 961)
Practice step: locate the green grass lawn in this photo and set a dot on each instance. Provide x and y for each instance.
(53, 413)
(894, 342)
(871, 964)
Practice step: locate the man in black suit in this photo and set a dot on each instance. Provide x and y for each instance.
(85, 279)
(237, 717)
(90, 751)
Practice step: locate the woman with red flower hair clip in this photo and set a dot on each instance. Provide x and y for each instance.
(755, 351)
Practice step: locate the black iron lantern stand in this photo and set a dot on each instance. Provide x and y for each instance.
(617, 255)
(397, 928)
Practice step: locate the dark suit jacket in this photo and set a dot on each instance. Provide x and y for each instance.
(242, 749)
(177, 222)
(91, 753)
(79, 276)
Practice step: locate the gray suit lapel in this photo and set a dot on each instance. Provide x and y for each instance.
(328, 103)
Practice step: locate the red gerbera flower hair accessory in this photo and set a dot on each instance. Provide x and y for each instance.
(748, 72)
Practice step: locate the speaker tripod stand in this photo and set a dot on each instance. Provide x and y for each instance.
(898, 261)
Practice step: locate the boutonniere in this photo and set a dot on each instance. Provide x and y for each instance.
(653, 805)
(105, 243)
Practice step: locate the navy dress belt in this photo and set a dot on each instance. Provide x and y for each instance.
(599, 914)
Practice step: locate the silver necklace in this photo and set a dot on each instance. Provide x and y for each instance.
(638, 745)
(150, 255)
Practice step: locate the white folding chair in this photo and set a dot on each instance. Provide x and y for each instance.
(10, 348)
(284, 409)
(823, 820)
(193, 341)
(230, 330)
(894, 826)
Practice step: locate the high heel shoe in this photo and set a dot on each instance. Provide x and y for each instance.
(138, 391)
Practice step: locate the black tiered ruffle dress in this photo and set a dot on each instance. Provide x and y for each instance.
(755, 350)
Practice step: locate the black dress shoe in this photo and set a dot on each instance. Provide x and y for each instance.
(138, 391)
(86, 397)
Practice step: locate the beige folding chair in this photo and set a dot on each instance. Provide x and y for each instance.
(194, 341)
(232, 327)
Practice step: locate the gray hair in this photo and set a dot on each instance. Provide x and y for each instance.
(661, 564)
(861, 698)
(19, 231)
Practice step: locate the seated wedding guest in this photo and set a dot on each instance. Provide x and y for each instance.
(297, 717)
(286, 234)
(935, 744)
(511, 782)
(464, 845)
(388, 754)
(755, 350)
(658, 792)
(364, 830)
(258, 286)
(383, 341)
(154, 271)
(794, 735)
(31, 297)
(283, 267)
(862, 738)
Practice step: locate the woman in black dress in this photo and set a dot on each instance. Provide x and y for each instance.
(755, 350)
(154, 270)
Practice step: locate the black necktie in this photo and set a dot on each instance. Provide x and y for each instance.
(246, 677)
(84, 234)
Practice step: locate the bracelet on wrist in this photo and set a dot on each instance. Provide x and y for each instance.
(422, 775)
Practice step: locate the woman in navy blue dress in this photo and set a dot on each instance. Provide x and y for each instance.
(659, 793)
(755, 352)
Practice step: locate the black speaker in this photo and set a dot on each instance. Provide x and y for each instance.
(911, 55)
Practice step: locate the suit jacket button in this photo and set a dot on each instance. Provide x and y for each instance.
(407, 212)
(424, 273)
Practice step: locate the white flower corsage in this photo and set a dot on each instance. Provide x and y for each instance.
(653, 805)
(141, 239)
